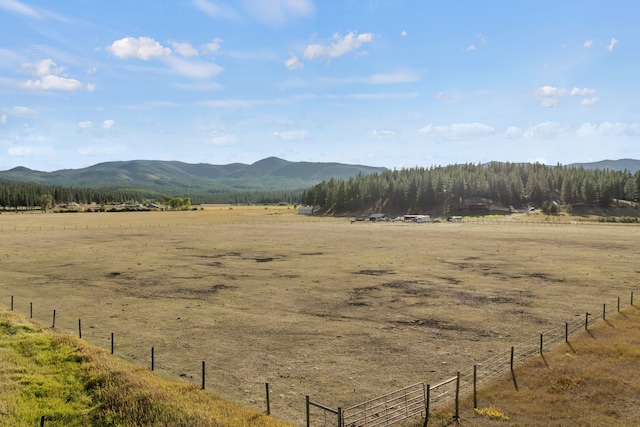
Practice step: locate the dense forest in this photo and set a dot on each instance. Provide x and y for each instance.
(22, 195)
(460, 187)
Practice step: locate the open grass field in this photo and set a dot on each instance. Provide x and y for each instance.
(322, 307)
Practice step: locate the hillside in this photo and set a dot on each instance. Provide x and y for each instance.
(630, 165)
(268, 174)
(586, 383)
(71, 383)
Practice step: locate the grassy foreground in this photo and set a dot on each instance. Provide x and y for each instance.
(71, 383)
(592, 381)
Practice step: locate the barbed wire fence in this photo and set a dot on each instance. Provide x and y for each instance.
(411, 402)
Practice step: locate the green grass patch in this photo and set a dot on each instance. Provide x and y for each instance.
(70, 383)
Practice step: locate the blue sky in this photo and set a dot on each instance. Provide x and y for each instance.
(394, 83)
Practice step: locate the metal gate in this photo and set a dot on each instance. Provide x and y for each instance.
(387, 410)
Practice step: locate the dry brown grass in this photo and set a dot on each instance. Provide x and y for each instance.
(341, 312)
(592, 382)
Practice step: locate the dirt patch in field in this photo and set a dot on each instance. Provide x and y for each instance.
(190, 293)
(374, 272)
(477, 300)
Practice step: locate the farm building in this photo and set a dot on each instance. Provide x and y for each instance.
(305, 210)
(377, 217)
(417, 218)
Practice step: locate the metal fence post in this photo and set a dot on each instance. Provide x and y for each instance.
(308, 417)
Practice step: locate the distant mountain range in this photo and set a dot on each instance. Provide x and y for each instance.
(630, 165)
(271, 173)
(268, 174)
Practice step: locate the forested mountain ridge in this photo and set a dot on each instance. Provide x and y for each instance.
(267, 174)
(270, 180)
(466, 186)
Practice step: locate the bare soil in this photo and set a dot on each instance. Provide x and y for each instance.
(338, 311)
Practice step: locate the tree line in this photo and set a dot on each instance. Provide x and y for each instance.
(26, 195)
(454, 187)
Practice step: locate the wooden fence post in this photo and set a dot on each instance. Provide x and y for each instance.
(30, 310)
(566, 332)
(203, 375)
(152, 359)
(457, 415)
(604, 311)
(618, 304)
(308, 417)
(426, 406)
(111, 342)
(513, 373)
(339, 416)
(268, 402)
(475, 384)
(54, 319)
(541, 347)
(80, 328)
(11, 302)
(586, 321)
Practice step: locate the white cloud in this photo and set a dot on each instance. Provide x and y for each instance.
(582, 92)
(443, 96)
(279, 12)
(382, 134)
(612, 44)
(25, 151)
(606, 129)
(484, 39)
(199, 86)
(340, 46)
(141, 48)
(587, 44)
(550, 91)
(213, 46)
(14, 6)
(52, 82)
(193, 68)
(3, 119)
(405, 76)
(397, 77)
(513, 132)
(590, 101)
(85, 124)
(403, 33)
(218, 137)
(108, 124)
(471, 48)
(379, 96)
(91, 87)
(184, 49)
(457, 131)
(216, 9)
(20, 111)
(43, 67)
(550, 95)
(240, 103)
(546, 130)
(293, 63)
(292, 135)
